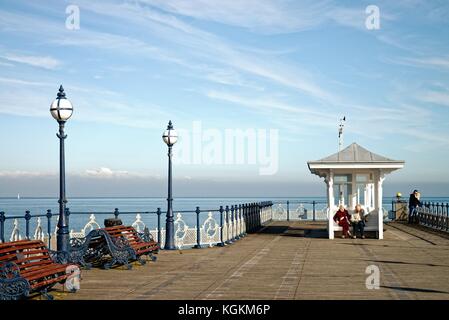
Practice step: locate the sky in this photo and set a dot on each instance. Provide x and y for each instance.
(288, 70)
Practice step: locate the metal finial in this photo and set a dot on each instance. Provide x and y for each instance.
(170, 125)
(61, 93)
(340, 133)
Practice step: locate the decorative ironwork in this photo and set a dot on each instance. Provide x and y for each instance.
(181, 229)
(210, 230)
(301, 212)
(138, 224)
(236, 222)
(433, 215)
(12, 285)
(39, 232)
(92, 224)
(15, 234)
(117, 249)
(280, 213)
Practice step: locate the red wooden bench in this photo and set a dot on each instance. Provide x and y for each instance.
(26, 266)
(140, 243)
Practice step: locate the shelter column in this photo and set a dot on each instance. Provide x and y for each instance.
(330, 202)
(379, 204)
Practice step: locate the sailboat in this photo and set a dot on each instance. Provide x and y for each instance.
(18, 196)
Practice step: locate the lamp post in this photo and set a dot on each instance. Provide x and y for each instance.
(170, 137)
(61, 109)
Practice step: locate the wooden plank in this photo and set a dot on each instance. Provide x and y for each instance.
(294, 263)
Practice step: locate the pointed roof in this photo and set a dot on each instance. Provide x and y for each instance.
(355, 153)
(354, 157)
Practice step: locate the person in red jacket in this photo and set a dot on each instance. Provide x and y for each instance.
(342, 218)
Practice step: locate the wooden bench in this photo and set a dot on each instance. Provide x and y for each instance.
(26, 266)
(142, 244)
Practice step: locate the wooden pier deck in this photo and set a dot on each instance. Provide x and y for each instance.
(285, 260)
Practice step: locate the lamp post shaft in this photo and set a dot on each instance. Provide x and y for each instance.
(170, 227)
(62, 239)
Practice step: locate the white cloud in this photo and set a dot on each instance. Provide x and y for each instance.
(258, 15)
(437, 62)
(24, 82)
(203, 49)
(6, 64)
(440, 63)
(106, 173)
(265, 104)
(26, 174)
(111, 107)
(45, 62)
(440, 98)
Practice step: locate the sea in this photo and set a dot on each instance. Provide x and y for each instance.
(82, 208)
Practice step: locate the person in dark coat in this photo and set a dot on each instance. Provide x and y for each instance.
(342, 218)
(413, 204)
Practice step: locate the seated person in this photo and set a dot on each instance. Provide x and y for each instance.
(342, 218)
(358, 219)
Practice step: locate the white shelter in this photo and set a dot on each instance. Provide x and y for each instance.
(355, 176)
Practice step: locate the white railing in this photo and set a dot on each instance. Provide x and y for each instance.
(299, 211)
(236, 221)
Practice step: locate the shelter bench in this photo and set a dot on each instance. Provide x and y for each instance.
(370, 226)
(27, 266)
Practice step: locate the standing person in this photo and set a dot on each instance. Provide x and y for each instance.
(358, 221)
(413, 204)
(342, 218)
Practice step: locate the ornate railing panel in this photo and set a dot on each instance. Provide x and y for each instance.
(299, 210)
(433, 215)
(219, 226)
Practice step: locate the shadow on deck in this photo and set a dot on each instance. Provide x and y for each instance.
(299, 229)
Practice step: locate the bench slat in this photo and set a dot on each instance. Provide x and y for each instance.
(33, 259)
(44, 271)
(21, 248)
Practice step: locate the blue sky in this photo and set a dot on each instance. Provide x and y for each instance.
(294, 66)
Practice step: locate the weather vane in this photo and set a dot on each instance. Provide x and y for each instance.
(340, 133)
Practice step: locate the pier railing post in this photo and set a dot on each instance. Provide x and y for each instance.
(116, 213)
(253, 214)
(314, 210)
(242, 221)
(250, 217)
(234, 223)
(251, 208)
(248, 213)
(392, 207)
(432, 215)
(2, 226)
(221, 243)
(239, 222)
(27, 224)
(254, 210)
(447, 216)
(49, 215)
(198, 229)
(228, 226)
(437, 216)
(159, 234)
(288, 210)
